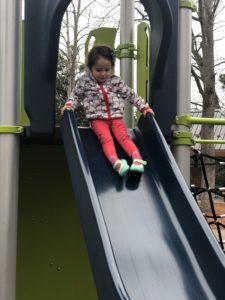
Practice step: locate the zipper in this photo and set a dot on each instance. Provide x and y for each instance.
(106, 99)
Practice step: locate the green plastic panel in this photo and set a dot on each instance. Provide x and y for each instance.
(143, 60)
(24, 120)
(102, 36)
(52, 260)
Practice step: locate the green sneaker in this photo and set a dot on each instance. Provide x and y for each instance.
(121, 167)
(138, 165)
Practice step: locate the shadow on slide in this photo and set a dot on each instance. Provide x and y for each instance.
(146, 238)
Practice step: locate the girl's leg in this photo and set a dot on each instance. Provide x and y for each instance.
(120, 132)
(102, 130)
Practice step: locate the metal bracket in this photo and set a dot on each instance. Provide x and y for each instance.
(11, 129)
(184, 120)
(126, 51)
(182, 138)
(186, 4)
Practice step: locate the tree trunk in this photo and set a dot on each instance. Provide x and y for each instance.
(72, 48)
(210, 98)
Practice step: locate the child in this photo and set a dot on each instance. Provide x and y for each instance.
(102, 95)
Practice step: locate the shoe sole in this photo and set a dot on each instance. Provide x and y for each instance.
(138, 169)
(124, 172)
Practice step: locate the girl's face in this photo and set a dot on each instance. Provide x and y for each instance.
(102, 69)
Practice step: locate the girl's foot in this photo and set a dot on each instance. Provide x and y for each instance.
(138, 165)
(121, 167)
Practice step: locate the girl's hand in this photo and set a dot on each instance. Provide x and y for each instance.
(65, 107)
(148, 110)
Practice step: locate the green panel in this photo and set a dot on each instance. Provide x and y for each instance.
(103, 36)
(143, 60)
(52, 262)
(24, 120)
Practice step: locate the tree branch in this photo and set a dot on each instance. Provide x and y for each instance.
(198, 82)
(215, 6)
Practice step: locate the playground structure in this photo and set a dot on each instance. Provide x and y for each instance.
(167, 254)
(214, 218)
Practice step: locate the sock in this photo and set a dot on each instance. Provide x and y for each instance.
(113, 159)
(136, 155)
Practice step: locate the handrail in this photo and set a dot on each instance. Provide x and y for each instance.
(184, 137)
(188, 120)
(199, 141)
(11, 129)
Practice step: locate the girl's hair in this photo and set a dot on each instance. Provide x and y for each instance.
(100, 51)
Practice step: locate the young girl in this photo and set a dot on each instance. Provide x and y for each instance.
(103, 96)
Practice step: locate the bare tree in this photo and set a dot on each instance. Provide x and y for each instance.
(204, 73)
(141, 14)
(79, 19)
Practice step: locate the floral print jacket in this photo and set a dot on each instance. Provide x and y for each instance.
(104, 100)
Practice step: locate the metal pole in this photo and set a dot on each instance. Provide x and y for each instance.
(10, 20)
(182, 152)
(126, 64)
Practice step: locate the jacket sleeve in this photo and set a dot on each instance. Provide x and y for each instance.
(77, 95)
(129, 94)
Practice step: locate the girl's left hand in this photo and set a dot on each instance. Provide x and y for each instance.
(148, 110)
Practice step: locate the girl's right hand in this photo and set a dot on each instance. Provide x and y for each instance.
(65, 107)
(148, 110)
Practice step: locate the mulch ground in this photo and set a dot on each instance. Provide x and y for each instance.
(220, 210)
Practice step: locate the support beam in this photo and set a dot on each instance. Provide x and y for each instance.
(126, 64)
(182, 152)
(10, 20)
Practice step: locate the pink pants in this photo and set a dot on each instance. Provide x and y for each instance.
(103, 129)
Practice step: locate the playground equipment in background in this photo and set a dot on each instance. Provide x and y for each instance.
(213, 219)
(43, 22)
(42, 27)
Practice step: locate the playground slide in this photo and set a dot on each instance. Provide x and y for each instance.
(146, 238)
